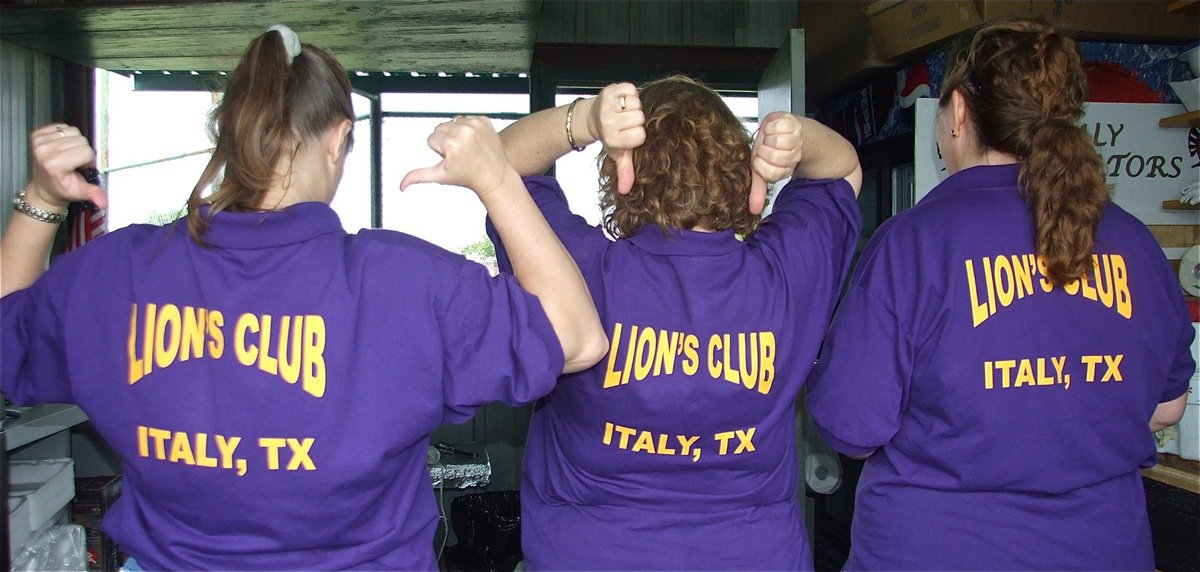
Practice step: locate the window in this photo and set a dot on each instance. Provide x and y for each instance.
(450, 217)
(152, 147)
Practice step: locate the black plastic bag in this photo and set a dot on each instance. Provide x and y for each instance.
(488, 527)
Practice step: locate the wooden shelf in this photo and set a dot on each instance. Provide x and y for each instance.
(1179, 5)
(1177, 472)
(41, 421)
(1189, 119)
(1178, 206)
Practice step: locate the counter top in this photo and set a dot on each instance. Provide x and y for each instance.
(41, 421)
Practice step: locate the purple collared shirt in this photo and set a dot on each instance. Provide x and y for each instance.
(678, 450)
(1010, 415)
(272, 396)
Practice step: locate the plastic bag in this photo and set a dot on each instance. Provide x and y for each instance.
(488, 527)
(58, 548)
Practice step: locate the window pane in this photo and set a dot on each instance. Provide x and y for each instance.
(456, 103)
(152, 146)
(578, 173)
(450, 217)
(352, 202)
(743, 106)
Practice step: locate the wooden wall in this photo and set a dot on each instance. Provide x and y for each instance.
(724, 23)
(27, 96)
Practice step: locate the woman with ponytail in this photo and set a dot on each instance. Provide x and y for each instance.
(269, 381)
(1006, 346)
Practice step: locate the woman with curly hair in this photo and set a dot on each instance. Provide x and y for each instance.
(1006, 346)
(678, 450)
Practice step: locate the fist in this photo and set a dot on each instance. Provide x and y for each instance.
(472, 156)
(58, 150)
(619, 123)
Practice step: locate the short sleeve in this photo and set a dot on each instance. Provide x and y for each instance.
(812, 223)
(582, 240)
(33, 361)
(857, 391)
(499, 345)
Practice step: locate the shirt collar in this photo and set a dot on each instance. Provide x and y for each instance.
(248, 230)
(677, 242)
(979, 177)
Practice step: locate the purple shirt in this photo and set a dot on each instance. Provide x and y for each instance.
(678, 450)
(272, 397)
(1010, 415)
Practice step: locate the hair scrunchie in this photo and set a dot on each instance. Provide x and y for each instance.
(291, 42)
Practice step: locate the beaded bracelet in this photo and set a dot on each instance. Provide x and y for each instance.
(35, 212)
(570, 116)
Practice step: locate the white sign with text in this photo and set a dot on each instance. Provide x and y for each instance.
(1146, 165)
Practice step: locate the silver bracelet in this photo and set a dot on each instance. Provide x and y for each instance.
(571, 116)
(36, 213)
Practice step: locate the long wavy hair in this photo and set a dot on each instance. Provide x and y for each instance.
(1024, 85)
(269, 109)
(693, 170)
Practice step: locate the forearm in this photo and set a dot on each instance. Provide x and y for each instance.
(536, 141)
(1168, 413)
(25, 248)
(827, 155)
(544, 268)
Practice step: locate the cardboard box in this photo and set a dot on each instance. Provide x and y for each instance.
(93, 497)
(903, 27)
(838, 51)
(1144, 20)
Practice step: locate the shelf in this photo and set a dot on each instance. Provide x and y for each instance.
(1189, 119)
(1179, 5)
(1178, 206)
(1179, 473)
(41, 421)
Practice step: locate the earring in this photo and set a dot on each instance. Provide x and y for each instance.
(954, 133)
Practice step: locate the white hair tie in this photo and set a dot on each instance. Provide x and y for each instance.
(291, 42)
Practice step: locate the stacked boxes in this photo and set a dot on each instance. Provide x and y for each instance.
(901, 28)
(93, 497)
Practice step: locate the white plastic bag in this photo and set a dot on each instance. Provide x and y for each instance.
(58, 548)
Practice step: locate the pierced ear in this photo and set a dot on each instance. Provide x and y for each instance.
(958, 105)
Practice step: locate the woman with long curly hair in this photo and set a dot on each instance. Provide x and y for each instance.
(1007, 345)
(678, 450)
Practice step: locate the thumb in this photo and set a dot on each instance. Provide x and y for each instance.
(758, 193)
(96, 196)
(624, 160)
(423, 175)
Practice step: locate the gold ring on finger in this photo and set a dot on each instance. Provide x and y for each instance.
(622, 103)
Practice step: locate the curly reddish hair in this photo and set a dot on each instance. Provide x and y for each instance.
(693, 170)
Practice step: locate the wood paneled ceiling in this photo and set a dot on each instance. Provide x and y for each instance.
(454, 36)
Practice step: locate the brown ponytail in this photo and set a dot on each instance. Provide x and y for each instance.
(270, 108)
(1024, 85)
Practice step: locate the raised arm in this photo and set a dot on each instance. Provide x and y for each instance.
(57, 151)
(803, 148)
(473, 157)
(614, 118)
